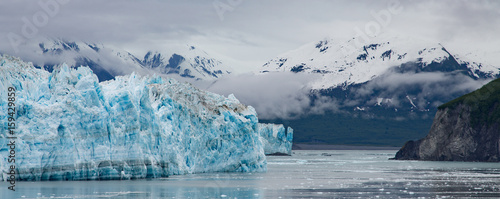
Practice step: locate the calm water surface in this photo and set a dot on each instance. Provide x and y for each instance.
(306, 174)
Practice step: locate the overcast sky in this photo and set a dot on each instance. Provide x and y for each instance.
(247, 33)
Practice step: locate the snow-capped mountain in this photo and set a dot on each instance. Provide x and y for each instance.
(108, 62)
(188, 62)
(356, 61)
(389, 82)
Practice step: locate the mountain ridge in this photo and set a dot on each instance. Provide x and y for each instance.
(396, 81)
(107, 62)
(341, 63)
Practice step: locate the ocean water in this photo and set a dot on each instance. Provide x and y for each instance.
(305, 174)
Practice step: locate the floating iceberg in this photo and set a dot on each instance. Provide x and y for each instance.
(276, 139)
(71, 127)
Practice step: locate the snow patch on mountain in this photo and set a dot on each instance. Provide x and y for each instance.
(479, 64)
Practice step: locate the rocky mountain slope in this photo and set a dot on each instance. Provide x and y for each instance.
(464, 129)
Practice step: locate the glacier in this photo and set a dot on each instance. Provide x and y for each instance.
(276, 139)
(71, 127)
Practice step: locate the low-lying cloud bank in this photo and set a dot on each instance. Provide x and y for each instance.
(286, 95)
(274, 95)
(426, 90)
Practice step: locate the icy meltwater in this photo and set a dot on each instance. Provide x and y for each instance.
(311, 174)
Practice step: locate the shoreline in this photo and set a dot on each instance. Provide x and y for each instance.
(340, 147)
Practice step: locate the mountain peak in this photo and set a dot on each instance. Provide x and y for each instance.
(182, 61)
(188, 61)
(359, 60)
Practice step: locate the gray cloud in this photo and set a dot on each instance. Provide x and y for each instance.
(274, 95)
(421, 88)
(252, 32)
(288, 96)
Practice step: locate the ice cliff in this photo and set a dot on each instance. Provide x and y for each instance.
(71, 127)
(276, 139)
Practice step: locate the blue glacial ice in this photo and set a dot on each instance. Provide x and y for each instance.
(71, 127)
(276, 139)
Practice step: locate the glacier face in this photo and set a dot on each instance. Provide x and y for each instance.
(71, 127)
(276, 139)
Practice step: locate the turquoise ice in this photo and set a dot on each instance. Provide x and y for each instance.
(71, 127)
(276, 138)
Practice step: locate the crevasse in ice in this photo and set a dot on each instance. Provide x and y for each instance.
(71, 127)
(276, 139)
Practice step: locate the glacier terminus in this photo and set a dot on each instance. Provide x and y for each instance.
(71, 127)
